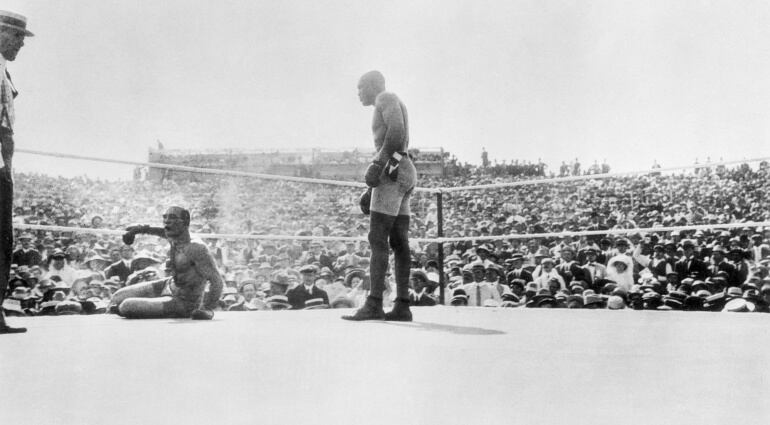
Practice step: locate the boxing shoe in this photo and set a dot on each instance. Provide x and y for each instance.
(5, 329)
(371, 310)
(400, 312)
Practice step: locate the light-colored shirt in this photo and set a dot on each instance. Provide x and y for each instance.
(67, 274)
(7, 93)
(757, 250)
(346, 261)
(478, 292)
(543, 281)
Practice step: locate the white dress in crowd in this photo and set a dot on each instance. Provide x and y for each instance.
(624, 279)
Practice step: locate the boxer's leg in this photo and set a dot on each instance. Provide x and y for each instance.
(380, 225)
(379, 232)
(144, 308)
(140, 290)
(156, 308)
(399, 241)
(389, 200)
(389, 227)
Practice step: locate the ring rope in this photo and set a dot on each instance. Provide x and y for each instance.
(363, 185)
(231, 236)
(604, 232)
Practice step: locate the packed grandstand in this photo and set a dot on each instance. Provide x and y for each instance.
(722, 267)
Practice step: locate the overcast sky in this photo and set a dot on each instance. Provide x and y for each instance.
(629, 82)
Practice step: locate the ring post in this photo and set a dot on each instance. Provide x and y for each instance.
(440, 219)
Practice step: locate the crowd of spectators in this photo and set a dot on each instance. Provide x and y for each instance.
(717, 268)
(574, 168)
(513, 169)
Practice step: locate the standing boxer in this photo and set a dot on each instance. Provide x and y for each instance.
(13, 29)
(391, 178)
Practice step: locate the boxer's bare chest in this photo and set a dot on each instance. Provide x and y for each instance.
(182, 261)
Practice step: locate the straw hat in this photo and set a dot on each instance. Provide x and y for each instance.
(14, 21)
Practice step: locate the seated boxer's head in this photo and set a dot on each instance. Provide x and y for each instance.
(176, 220)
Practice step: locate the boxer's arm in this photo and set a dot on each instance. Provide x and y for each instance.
(205, 266)
(132, 231)
(392, 115)
(147, 230)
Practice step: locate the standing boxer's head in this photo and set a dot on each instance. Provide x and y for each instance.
(369, 86)
(13, 29)
(176, 221)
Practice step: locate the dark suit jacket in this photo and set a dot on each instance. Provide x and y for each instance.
(727, 267)
(118, 269)
(298, 295)
(573, 272)
(697, 267)
(520, 274)
(741, 271)
(600, 270)
(29, 258)
(324, 260)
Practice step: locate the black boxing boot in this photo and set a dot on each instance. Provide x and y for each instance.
(371, 310)
(400, 312)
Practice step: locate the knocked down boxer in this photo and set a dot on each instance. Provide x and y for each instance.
(191, 267)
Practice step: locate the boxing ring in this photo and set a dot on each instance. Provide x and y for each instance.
(450, 366)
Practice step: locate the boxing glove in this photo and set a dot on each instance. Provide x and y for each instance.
(202, 314)
(365, 201)
(128, 237)
(373, 173)
(132, 231)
